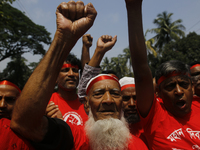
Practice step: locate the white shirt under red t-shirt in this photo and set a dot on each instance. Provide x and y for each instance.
(73, 111)
(164, 131)
(81, 142)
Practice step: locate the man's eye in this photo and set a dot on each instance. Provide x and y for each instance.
(126, 98)
(170, 86)
(116, 94)
(184, 84)
(65, 70)
(98, 95)
(75, 70)
(10, 99)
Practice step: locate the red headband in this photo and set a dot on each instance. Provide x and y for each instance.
(5, 82)
(103, 77)
(114, 76)
(162, 78)
(69, 66)
(126, 86)
(194, 66)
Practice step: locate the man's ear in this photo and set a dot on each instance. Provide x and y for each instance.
(158, 92)
(193, 90)
(86, 104)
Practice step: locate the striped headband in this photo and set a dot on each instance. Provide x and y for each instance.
(99, 78)
(5, 82)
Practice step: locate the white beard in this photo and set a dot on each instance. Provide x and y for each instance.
(107, 134)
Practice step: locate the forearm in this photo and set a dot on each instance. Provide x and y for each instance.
(96, 58)
(85, 57)
(136, 37)
(28, 112)
(142, 73)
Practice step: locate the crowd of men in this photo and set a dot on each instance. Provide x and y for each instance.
(101, 112)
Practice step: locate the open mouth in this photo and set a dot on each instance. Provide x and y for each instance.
(181, 104)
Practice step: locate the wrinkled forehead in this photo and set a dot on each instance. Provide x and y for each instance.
(106, 84)
(128, 90)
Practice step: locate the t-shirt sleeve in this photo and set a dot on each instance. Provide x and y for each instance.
(156, 114)
(59, 136)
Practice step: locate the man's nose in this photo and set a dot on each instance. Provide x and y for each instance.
(70, 72)
(179, 90)
(107, 98)
(132, 102)
(3, 104)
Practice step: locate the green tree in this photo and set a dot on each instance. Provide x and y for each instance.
(19, 35)
(127, 59)
(17, 71)
(186, 50)
(166, 30)
(105, 65)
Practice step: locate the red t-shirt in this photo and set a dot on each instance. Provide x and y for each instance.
(81, 142)
(137, 130)
(166, 132)
(10, 140)
(73, 111)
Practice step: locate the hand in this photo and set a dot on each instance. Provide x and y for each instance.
(105, 43)
(74, 19)
(53, 111)
(87, 40)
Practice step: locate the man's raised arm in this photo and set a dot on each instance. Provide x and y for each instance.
(142, 73)
(73, 20)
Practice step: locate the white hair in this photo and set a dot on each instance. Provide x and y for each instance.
(107, 134)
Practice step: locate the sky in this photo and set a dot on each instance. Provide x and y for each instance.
(111, 20)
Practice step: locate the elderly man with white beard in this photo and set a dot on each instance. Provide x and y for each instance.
(106, 127)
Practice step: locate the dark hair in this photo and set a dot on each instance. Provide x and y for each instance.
(170, 66)
(109, 72)
(72, 59)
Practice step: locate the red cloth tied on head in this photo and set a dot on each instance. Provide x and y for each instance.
(69, 66)
(162, 78)
(5, 82)
(196, 65)
(99, 78)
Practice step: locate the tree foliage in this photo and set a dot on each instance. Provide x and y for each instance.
(166, 30)
(186, 50)
(120, 64)
(17, 71)
(19, 34)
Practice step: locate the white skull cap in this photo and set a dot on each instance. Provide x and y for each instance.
(126, 82)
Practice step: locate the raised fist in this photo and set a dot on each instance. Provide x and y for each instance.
(87, 40)
(74, 19)
(106, 42)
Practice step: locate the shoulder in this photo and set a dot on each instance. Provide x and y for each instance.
(137, 143)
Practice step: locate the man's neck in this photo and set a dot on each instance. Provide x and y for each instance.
(69, 95)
